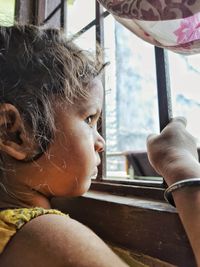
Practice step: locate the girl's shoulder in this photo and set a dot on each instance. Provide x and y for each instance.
(40, 242)
(53, 240)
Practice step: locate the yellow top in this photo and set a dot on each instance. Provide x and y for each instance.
(11, 220)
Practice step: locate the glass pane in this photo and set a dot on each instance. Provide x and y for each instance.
(7, 10)
(185, 81)
(87, 40)
(76, 20)
(131, 97)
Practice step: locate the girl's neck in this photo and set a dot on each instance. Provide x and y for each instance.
(16, 188)
(22, 199)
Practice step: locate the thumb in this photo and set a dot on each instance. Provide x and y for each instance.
(151, 148)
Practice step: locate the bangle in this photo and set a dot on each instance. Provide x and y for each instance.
(183, 183)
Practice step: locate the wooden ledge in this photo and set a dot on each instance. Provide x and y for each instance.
(144, 226)
(136, 202)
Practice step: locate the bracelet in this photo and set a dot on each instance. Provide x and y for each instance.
(183, 183)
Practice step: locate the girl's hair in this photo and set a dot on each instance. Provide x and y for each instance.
(37, 64)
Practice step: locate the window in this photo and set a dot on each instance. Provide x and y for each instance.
(129, 88)
(185, 89)
(86, 40)
(131, 108)
(131, 81)
(131, 97)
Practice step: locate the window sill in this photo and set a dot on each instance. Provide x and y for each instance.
(136, 202)
(136, 223)
(126, 188)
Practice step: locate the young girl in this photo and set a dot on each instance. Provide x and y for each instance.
(50, 101)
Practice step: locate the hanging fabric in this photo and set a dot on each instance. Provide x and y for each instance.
(171, 24)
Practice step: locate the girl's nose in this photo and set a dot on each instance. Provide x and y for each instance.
(99, 143)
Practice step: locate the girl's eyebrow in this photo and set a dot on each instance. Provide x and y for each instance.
(90, 104)
(92, 107)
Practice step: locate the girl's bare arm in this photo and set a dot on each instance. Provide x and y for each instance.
(173, 154)
(57, 241)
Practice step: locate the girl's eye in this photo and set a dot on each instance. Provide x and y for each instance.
(88, 120)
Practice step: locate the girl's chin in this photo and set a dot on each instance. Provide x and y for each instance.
(83, 189)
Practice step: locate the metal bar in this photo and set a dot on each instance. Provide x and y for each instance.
(40, 10)
(63, 15)
(99, 25)
(89, 25)
(24, 11)
(52, 14)
(163, 88)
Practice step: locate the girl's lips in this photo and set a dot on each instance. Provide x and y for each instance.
(94, 175)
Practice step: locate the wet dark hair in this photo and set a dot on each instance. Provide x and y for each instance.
(37, 64)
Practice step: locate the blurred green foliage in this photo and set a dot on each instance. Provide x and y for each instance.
(7, 10)
(70, 2)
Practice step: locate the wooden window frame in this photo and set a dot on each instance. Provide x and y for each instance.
(150, 229)
(40, 12)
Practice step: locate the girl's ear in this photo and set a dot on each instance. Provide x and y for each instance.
(14, 140)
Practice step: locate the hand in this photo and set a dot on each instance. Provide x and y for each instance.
(173, 153)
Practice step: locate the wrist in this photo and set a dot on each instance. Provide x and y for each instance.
(190, 185)
(182, 171)
(187, 199)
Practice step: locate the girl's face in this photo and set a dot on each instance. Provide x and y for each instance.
(73, 157)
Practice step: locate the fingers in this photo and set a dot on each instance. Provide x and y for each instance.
(177, 121)
(181, 120)
(151, 137)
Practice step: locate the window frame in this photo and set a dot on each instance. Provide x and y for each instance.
(150, 230)
(37, 12)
